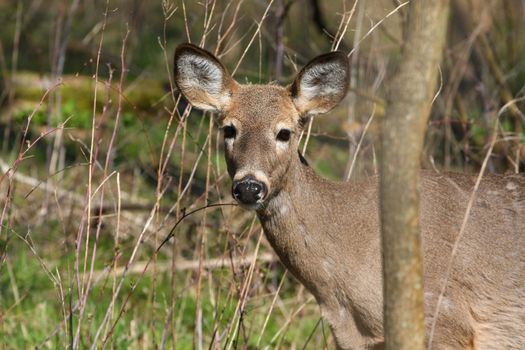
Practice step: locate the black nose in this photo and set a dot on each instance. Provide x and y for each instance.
(248, 190)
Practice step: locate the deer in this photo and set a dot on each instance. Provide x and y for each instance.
(328, 233)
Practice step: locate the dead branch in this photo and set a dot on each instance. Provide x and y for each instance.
(183, 265)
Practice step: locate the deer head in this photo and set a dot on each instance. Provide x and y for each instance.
(261, 123)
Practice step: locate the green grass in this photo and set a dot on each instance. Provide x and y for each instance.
(32, 306)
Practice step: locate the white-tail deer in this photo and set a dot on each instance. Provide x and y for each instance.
(328, 234)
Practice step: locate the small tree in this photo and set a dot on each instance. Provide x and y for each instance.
(408, 107)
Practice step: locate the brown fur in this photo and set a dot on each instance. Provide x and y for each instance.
(328, 234)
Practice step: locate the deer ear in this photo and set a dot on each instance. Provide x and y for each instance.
(202, 79)
(321, 84)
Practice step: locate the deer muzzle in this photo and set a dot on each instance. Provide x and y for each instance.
(248, 191)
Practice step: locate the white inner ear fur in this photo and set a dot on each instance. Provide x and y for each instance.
(197, 73)
(322, 80)
(200, 73)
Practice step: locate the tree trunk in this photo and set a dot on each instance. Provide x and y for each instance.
(407, 111)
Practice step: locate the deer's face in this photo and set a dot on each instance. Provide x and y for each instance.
(261, 124)
(260, 133)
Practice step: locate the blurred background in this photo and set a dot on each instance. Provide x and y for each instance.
(101, 159)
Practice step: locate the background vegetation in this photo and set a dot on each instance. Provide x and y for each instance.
(100, 159)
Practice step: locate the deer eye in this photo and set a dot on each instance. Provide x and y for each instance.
(284, 135)
(229, 132)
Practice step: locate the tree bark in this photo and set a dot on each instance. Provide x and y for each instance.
(403, 130)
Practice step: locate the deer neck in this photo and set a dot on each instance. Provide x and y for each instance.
(326, 233)
(290, 222)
